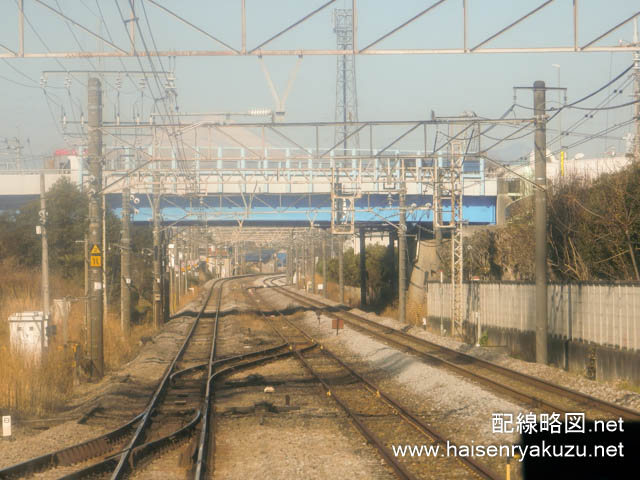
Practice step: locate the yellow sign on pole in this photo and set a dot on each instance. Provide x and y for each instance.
(96, 261)
(95, 250)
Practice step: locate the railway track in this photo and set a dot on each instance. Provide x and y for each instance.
(526, 389)
(178, 411)
(378, 417)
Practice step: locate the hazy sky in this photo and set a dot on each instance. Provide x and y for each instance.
(389, 87)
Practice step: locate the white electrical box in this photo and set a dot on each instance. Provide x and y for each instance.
(27, 331)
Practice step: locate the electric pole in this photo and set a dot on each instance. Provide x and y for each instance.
(290, 260)
(305, 263)
(539, 107)
(402, 258)
(125, 265)
(636, 97)
(392, 250)
(95, 227)
(105, 304)
(157, 273)
(363, 270)
(324, 266)
(45, 259)
(341, 269)
(313, 262)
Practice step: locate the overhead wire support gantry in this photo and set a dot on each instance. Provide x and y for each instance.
(464, 44)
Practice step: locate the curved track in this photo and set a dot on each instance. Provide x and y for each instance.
(178, 409)
(378, 417)
(532, 391)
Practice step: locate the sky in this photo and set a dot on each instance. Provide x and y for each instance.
(389, 87)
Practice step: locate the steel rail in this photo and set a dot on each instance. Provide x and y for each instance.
(138, 453)
(402, 339)
(149, 448)
(123, 464)
(101, 445)
(69, 455)
(204, 439)
(475, 467)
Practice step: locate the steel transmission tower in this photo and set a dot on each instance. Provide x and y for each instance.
(346, 94)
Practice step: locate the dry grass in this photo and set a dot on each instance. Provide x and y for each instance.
(351, 294)
(117, 349)
(29, 386)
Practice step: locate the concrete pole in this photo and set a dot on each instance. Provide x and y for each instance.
(636, 93)
(313, 263)
(324, 266)
(157, 273)
(392, 250)
(45, 260)
(94, 151)
(296, 249)
(305, 266)
(87, 312)
(172, 289)
(290, 263)
(437, 208)
(178, 280)
(341, 269)
(125, 264)
(363, 270)
(166, 292)
(402, 259)
(541, 221)
(105, 303)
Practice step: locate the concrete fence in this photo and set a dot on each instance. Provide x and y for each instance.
(607, 315)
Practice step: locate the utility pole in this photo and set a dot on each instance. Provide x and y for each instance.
(636, 97)
(392, 250)
(105, 304)
(363, 270)
(290, 261)
(176, 284)
(45, 259)
(313, 263)
(539, 106)
(95, 227)
(157, 273)
(172, 286)
(166, 292)
(305, 263)
(87, 311)
(402, 258)
(437, 217)
(125, 265)
(298, 254)
(341, 269)
(324, 266)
